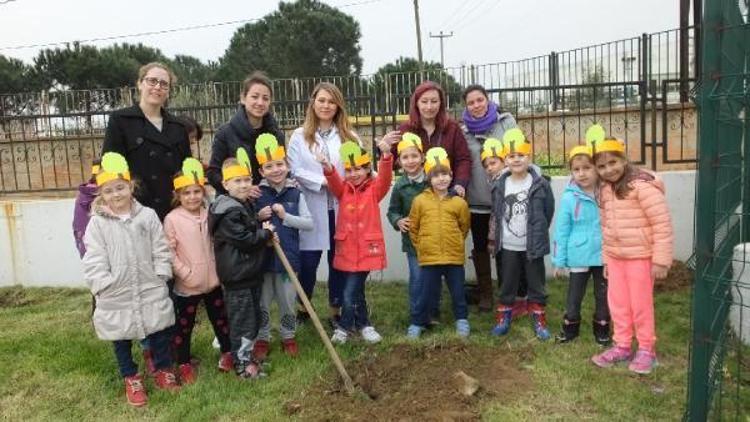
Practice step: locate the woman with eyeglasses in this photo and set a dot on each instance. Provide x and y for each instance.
(153, 141)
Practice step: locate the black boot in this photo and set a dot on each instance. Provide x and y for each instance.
(601, 333)
(569, 332)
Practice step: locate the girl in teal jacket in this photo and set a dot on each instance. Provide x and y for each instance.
(577, 247)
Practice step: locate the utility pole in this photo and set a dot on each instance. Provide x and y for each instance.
(441, 36)
(419, 35)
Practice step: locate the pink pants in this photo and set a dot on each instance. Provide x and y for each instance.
(631, 302)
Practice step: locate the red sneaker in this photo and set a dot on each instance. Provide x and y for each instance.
(290, 347)
(149, 361)
(520, 308)
(187, 373)
(135, 391)
(165, 379)
(226, 363)
(260, 350)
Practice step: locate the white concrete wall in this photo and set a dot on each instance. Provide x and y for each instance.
(37, 246)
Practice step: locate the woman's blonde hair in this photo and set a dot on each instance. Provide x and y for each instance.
(340, 120)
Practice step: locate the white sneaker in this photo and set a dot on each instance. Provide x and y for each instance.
(370, 335)
(339, 336)
(216, 344)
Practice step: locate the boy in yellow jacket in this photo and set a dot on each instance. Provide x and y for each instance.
(439, 225)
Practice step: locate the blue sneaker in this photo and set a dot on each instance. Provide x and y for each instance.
(462, 327)
(504, 317)
(414, 331)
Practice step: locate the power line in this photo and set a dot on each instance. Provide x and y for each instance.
(158, 32)
(2, 2)
(140, 34)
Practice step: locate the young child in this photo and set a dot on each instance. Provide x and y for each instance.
(439, 224)
(523, 206)
(82, 209)
(360, 247)
(194, 268)
(282, 203)
(637, 248)
(577, 247)
(126, 266)
(240, 247)
(407, 187)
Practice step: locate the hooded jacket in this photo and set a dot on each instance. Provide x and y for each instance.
(638, 226)
(402, 196)
(359, 235)
(126, 265)
(578, 233)
(194, 264)
(238, 133)
(239, 242)
(541, 209)
(438, 228)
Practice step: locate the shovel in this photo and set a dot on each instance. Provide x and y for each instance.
(314, 317)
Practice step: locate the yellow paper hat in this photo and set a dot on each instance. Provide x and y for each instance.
(436, 156)
(96, 165)
(596, 139)
(267, 149)
(353, 155)
(242, 168)
(493, 147)
(192, 174)
(408, 140)
(515, 142)
(113, 166)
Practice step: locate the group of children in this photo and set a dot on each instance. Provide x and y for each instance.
(613, 221)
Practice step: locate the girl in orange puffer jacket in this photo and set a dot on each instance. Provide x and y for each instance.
(637, 248)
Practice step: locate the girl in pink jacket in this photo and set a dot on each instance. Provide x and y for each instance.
(186, 228)
(637, 248)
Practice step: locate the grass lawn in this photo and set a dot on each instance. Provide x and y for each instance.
(53, 366)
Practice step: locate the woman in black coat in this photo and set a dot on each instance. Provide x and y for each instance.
(154, 142)
(252, 119)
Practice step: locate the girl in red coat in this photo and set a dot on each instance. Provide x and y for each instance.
(360, 247)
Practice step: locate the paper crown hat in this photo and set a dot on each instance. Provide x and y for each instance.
(113, 166)
(267, 149)
(96, 165)
(436, 156)
(515, 141)
(191, 174)
(598, 142)
(408, 140)
(242, 168)
(352, 155)
(493, 147)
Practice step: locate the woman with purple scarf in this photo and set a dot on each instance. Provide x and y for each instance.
(482, 119)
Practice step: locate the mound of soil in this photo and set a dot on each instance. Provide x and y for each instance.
(680, 277)
(411, 382)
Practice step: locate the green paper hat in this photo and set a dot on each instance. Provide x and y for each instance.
(353, 155)
(192, 174)
(493, 147)
(436, 156)
(113, 166)
(267, 149)
(515, 142)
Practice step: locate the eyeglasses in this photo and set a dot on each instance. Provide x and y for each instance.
(152, 82)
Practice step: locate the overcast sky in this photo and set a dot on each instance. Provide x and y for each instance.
(485, 31)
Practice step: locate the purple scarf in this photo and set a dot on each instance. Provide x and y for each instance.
(482, 124)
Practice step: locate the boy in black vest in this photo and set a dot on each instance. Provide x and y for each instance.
(283, 204)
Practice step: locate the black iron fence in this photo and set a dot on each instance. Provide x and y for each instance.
(637, 88)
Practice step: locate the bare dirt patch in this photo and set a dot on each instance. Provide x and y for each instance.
(436, 382)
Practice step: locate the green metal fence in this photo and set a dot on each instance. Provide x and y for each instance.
(719, 376)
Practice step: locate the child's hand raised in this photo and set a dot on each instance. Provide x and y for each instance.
(279, 210)
(264, 213)
(386, 142)
(403, 224)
